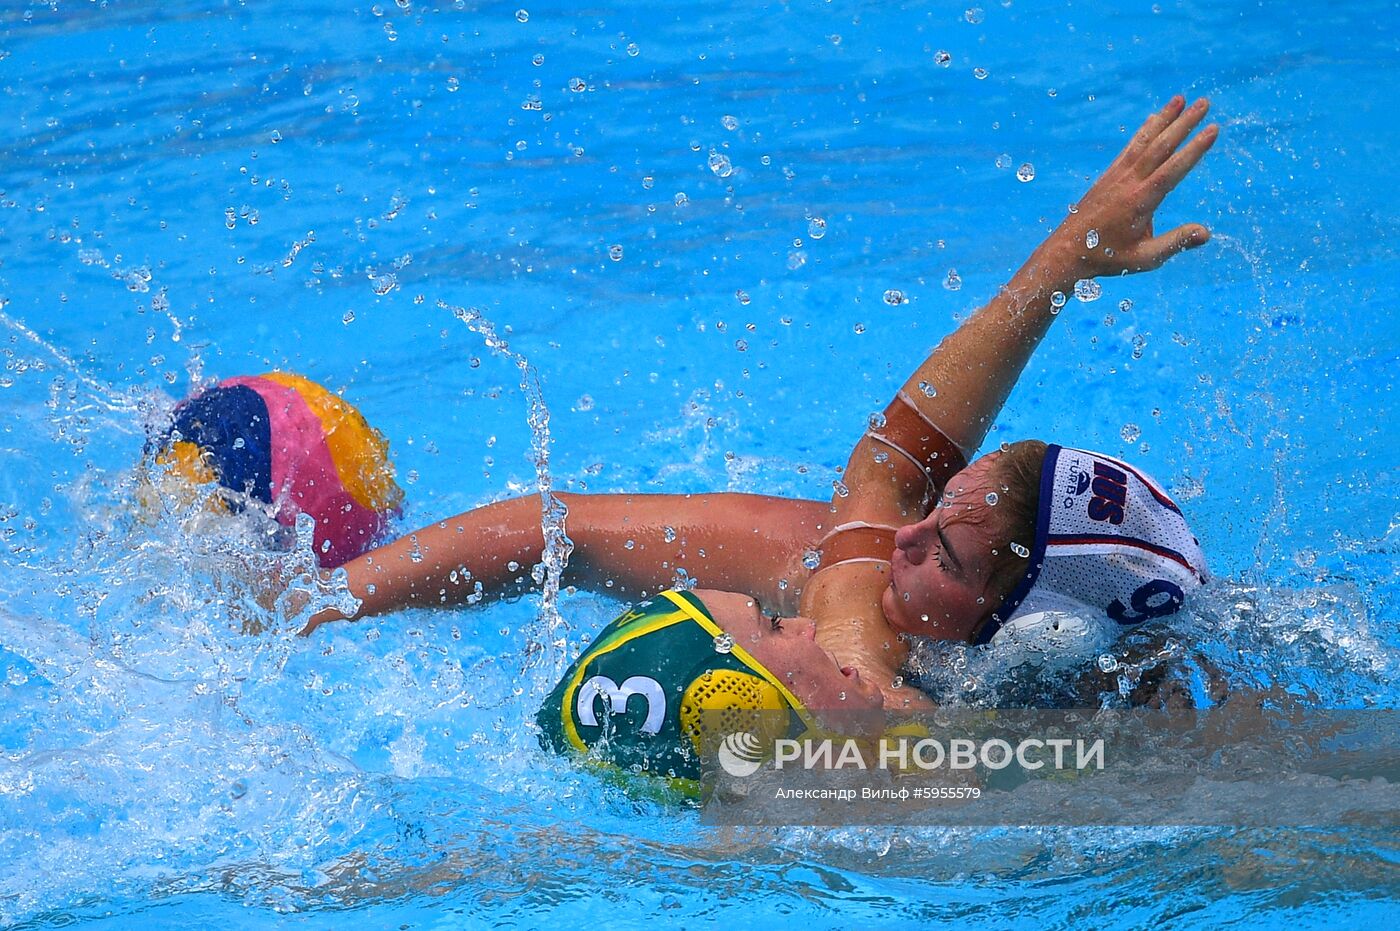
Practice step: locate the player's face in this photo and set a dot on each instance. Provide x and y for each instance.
(942, 568)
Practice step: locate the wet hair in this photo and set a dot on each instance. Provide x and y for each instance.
(1017, 470)
(1015, 473)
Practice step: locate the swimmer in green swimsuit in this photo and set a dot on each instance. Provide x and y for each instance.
(892, 562)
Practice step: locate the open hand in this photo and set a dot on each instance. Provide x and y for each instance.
(1118, 209)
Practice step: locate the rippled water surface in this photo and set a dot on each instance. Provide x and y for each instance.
(714, 238)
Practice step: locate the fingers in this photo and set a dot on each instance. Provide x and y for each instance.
(1171, 172)
(1159, 249)
(1151, 129)
(1172, 136)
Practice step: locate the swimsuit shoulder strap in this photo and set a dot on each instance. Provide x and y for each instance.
(916, 438)
(856, 541)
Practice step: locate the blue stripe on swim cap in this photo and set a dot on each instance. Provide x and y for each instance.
(215, 420)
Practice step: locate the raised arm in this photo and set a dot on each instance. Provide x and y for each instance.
(945, 408)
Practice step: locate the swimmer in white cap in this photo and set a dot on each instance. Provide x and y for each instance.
(913, 544)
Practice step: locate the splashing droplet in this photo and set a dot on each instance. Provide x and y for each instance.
(816, 227)
(1091, 239)
(1025, 173)
(929, 391)
(615, 252)
(522, 16)
(953, 282)
(724, 644)
(1020, 550)
(1130, 432)
(1087, 289)
(720, 165)
(1003, 161)
(729, 122)
(812, 559)
(942, 59)
(992, 498)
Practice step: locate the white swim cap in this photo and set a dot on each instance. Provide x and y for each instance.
(1108, 542)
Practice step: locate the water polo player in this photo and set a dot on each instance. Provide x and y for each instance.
(920, 542)
(284, 444)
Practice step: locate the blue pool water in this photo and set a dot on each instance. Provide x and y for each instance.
(193, 190)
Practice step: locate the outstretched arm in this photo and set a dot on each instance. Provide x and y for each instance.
(632, 545)
(959, 389)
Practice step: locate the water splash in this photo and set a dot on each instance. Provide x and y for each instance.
(131, 681)
(104, 396)
(553, 512)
